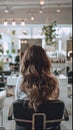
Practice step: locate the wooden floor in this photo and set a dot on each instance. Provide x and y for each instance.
(10, 125)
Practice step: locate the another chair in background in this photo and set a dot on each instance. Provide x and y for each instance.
(49, 117)
(2, 84)
(14, 67)
(70, 77)
(70, 83)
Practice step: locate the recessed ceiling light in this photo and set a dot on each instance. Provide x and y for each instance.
(32, 18)
(6, 10)
(42, 2)
(40, 11)
(58, 10)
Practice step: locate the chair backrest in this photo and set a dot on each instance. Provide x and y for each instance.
(5, 73)
(49, 115)
(70, 77)
(2, 84)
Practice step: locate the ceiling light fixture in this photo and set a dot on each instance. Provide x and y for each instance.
(32, 18)
(5, 23)
(40, 11)
(6, 9)
(58, 10)
(42, 2)
(22, 23)
(13, 23)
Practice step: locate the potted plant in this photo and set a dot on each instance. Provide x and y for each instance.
(50, 33)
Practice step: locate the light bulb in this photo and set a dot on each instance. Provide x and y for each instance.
(32, 18)
(58, 10)
(22, 23)
(6, 10)
(13, 23)
(42, 2)
(5, 23)
(40, 11)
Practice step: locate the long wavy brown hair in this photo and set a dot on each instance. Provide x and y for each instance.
(37, 82)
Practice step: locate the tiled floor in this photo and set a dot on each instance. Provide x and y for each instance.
(65, 125)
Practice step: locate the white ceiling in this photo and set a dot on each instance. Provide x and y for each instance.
(24, 9)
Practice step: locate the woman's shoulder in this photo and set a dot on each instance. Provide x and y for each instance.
(20, 101)
(53, 101)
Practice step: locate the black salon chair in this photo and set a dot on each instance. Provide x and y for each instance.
(2, 84)
(70, 84)
(70, 77)
(27, 119)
